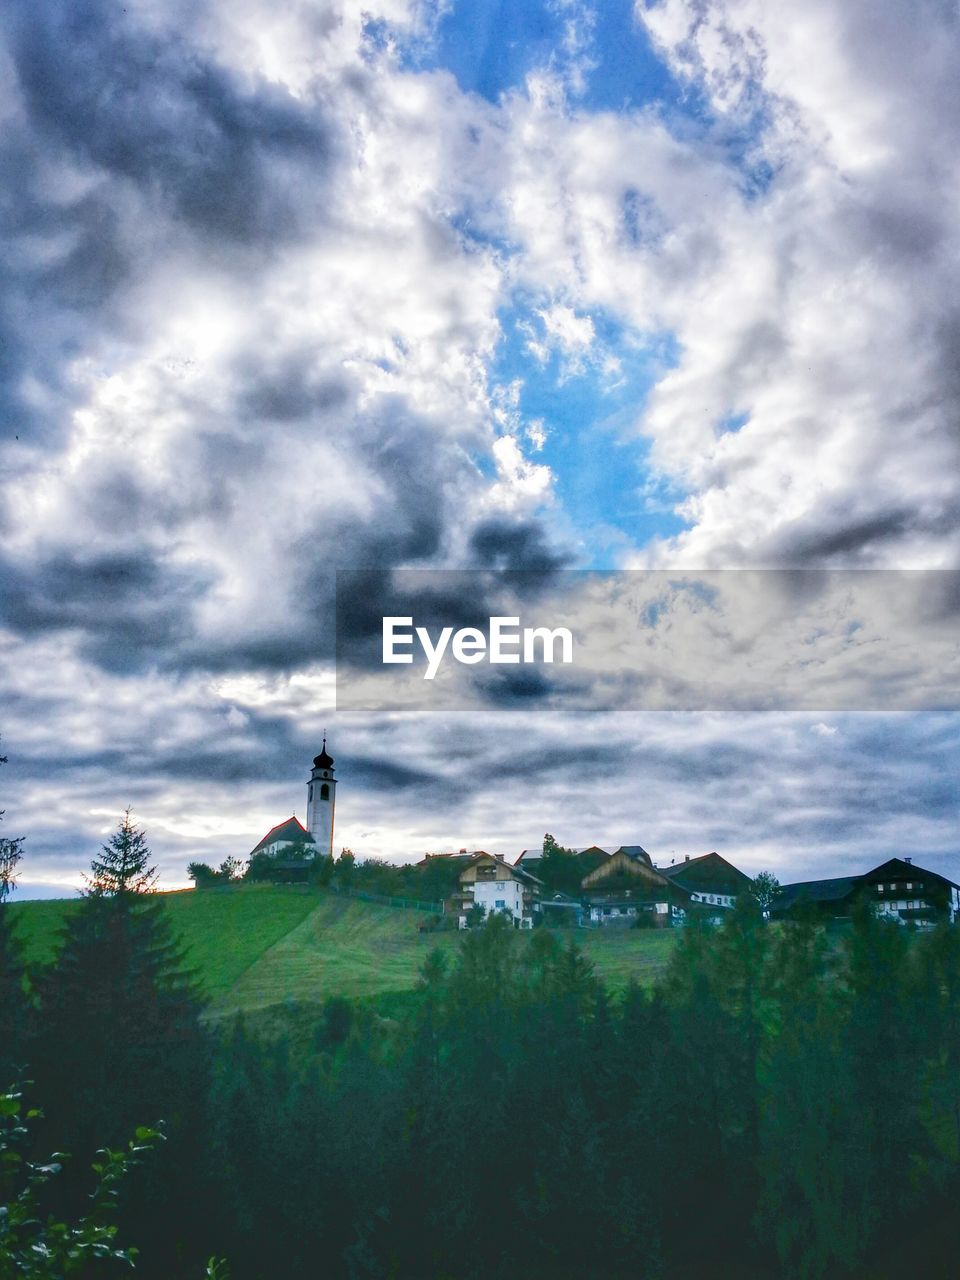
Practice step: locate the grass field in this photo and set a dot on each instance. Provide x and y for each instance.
(257, 946)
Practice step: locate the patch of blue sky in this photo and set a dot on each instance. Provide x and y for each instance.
(732, 423)
(491, 46)
(590, 405)
(627, 71)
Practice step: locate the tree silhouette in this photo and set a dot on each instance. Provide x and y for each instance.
(122, 867)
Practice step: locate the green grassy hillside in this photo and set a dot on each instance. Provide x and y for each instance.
(255, 946)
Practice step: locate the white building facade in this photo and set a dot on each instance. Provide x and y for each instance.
(492, 884)
(321, 802)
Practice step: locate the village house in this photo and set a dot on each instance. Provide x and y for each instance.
(713, 883)
(626, 886)
(487, 881)
(896, 888)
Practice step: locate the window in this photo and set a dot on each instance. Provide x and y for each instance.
(325, 791)
(500, 904)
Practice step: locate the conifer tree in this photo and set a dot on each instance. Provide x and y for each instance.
(123, 865)
(119, 1042)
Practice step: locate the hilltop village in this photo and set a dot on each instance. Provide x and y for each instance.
(596, 886)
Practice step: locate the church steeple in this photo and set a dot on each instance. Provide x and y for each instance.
(321, 801)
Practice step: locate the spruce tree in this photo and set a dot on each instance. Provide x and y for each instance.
(120, 1043)
(123, 865)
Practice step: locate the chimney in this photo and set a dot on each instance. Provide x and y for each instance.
(686, 857)
(908, 860)
(463, 851)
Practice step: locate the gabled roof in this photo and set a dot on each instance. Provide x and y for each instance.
(899, 869)
(635, 851)
(514, 872)
(454, 858)
(292, 829)
(835, 890)
(701, 863)
(624, 863)
(840, 888)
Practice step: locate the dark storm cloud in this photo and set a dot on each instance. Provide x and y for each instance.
(287, 388)
(383, 773)
(164, 115)
(841, 535)
(128, 607)
(517, 545)
(159, 138)
(515, 688)
(126, 132)
(62, 262)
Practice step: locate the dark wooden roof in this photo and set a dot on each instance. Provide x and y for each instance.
(636, 852)
(513, 872)
(842, 887)
(836, 890)
(714, 863)
(899, 869)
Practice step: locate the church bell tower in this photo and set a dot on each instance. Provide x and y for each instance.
(321, 798)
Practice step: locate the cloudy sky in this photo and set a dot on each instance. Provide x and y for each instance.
(529, 284)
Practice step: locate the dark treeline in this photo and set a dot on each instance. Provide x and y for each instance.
(782, 1101)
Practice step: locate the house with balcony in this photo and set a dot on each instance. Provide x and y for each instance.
(488, 882)
(627, 886)
(897, 889)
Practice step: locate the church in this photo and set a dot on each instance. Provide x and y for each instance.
(317, 835)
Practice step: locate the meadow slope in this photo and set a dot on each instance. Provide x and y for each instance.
(256, 946)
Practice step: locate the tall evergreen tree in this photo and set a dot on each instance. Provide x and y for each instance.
(120, 1042)
(122, 867)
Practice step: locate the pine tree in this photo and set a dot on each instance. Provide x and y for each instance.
(123, 866)
(119, 1042)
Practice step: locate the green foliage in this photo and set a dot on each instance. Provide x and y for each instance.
(119, 1037)
(14, 1006)
(799, 1089)
(11, 852)
(324, 870)
(36, 1244)
(344, 871)
(475, 915)
(122, 868)
(563, 870)
(765, 890)
(265, 867)
(204, 877)
(262, 869)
